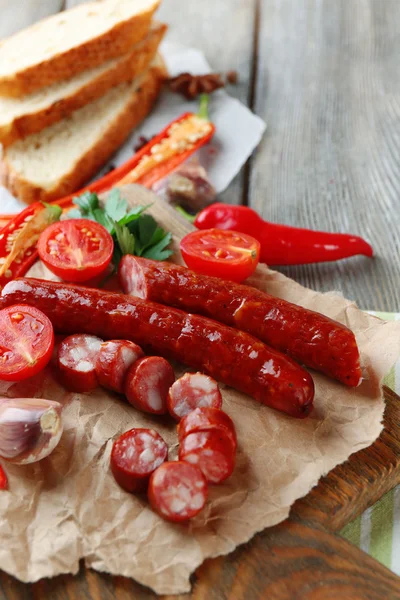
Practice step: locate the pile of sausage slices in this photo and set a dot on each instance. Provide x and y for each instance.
(177, 490)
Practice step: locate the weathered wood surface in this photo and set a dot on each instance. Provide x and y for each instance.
(324, 75)
(328, 86)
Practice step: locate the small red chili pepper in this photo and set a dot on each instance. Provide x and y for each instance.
(18, 240)
(4, 219)
(282, 244)
(3, 479)
(167, 150)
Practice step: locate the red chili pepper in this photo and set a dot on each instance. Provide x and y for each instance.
(282, 244)
(187, 134)
(3, 479)
(4, 219)
(25, 258)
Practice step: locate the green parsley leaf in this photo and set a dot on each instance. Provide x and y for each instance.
(147, 228)
(102, 217)
(159, 251)
(125, 239)
(117, 255)
(74, 213)
(133, 232)
(133, 215)
(87, 202)
(116, 206)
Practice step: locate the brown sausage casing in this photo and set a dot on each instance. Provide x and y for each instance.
(229, 355)
(307, 336)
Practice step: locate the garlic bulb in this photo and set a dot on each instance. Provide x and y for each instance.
(30, 429)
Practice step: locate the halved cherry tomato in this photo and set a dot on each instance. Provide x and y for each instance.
(76, 250)
(221, 253)
(26, 342)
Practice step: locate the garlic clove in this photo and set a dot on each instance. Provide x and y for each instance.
(30, 429)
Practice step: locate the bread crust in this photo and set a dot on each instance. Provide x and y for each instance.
(129, 66)
(87, 166)
(112, 43)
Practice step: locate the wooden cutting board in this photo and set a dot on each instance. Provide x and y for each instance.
(301, 559)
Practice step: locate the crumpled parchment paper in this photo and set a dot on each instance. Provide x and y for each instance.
(68, 506)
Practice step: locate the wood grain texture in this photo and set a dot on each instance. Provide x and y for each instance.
(358, 483)
(328, 87)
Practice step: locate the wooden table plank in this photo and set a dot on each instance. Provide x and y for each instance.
(329, 90)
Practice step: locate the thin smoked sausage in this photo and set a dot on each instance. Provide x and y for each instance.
(227, 354)
(307, 336)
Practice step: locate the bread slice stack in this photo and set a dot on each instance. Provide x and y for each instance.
(72, 87)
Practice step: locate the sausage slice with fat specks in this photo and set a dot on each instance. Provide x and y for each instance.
(77, 357)
(177, 491)
(114, 361)
(147, 384)
(134, 457)
(191, 391)
(207, 418)
(211, 451)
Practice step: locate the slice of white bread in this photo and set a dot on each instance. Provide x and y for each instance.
(20, 117)
(71, 42)
(60, 159)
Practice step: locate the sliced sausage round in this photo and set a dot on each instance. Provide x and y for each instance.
(147, 384)
(77, 357)
(177, 491)
(207, 419)
(134, 457)
(193, 390)
(114, 361)
(211, 451)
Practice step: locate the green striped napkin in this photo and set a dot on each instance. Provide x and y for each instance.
(377, 530)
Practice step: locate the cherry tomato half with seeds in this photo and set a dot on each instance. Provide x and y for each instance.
(76, 250)
(221, 253)
(26, 342)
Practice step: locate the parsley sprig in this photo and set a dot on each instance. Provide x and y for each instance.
(133, 232)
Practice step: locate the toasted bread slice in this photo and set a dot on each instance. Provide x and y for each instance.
(70, 42)
(20, 117)
(61, 158)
